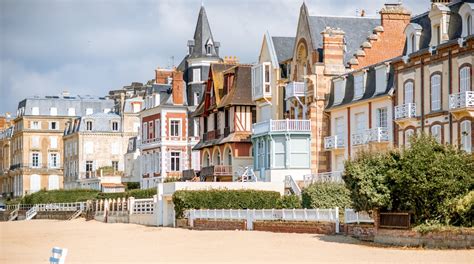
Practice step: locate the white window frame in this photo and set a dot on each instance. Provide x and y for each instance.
(408, 134)
(35, 110)
(51, 125)
(157, 128)
(35, 159)
(339, 90)
(466, 136)
(176, 157)
(171, 127)
(436, 84)
(196, 75)
(89, 125)
(53, 160)
(409, 86)
(115, 125)
(360, 120)
(35, 125)
(436, 133)
(465, 79)
(359, 85)
(382, 117)
(145, 131)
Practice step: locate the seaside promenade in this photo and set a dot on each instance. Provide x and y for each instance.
(96, 242)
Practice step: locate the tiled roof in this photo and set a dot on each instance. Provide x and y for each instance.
(283, 47)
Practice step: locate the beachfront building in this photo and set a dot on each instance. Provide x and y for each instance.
(36, 143)
(226, 115)
(434, 84)
(166, 141)
(95, 145)
(327, 47)
(281, 146)
(6, 184)
(132, 165)
(360, 109)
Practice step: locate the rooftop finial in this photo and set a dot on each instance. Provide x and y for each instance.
(202, 2)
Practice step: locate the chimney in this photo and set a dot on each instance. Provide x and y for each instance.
(333, 46)
(65, 93)
(178, 87)
(395, 18)
(161, 76)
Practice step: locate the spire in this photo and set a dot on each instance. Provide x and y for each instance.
(203, 44)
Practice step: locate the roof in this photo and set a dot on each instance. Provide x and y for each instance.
(356, 29)
(102, 122)
(370, 86)
(231, 138)
(241, 91)
(283, 47)
(203, 36)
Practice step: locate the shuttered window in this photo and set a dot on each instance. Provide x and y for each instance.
(435, 92)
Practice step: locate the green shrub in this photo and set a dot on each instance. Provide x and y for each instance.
(133, 185)
(140, 194)
(111, 195)
(59, 196)
(463, 210)
(289, 202)
(326, 195)
(224, 199)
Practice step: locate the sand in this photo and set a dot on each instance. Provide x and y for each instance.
(96, 242)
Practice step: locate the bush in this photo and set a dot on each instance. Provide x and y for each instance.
(140, 194)
(224, 199)
(59, 196)
(289, 202)
(426, 180)
(463, 210)
(133, 185)
(111, 195)
(326, 195)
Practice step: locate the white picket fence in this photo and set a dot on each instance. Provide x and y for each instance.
(62, 207)
(131, 210)
(251, 215)
(351, 216)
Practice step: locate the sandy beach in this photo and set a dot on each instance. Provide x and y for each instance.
(95, 242)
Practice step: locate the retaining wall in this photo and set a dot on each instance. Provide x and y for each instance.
(210, 224)
(56, 215)
(364, 232)
(325, 228)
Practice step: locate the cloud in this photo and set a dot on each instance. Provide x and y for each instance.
(90, 47)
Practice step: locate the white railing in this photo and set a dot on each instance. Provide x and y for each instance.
(405, 111)
(31, 213)
(461, 100)
(334, 176)
(251, 215)
(334, 142)
(143, 206)
(147, 183)
(295, 89)
(379, 134)
(64, 207)
(293, 185)
(287, 125)
(351, 216)
(14, 214)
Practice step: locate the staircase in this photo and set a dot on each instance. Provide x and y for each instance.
(14, 213)
(76, 214)
(292, 185)
(31, 213)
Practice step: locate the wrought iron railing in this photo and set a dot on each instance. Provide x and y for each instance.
(378, 134)
(334, 142)
(461, 100)
(405, 111)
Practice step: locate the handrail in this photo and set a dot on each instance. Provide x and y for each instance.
(291, 183)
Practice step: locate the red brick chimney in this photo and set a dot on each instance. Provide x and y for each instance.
(333, 48)
(178, 87)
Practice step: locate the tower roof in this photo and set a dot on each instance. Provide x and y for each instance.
(203, 38)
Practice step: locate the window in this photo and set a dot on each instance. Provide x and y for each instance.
(197, 75)
(35, 111)
(53, 111)
(89, 147)
(209, 49)
(175, 161)
(409, 92)
(413, 43)
(53, 160)
(382, 117)
(114, 126)
(89, 125)
(174, 128)
(89, 111)
(157, 128)
(469, 25)
(53, 125)
(35, 142)
(465, 79)
(150, 130)
(35, 160)
(267, 78)
(437, 30)
(436, 133)
(338, 91)
(115, 165)
(381, 79)
(360, 122)
(136, 107)
(279, 152)
(408, 134)
(358, 86)
(71, 111)
(35, 125)
(435, 92)
(196, 98)
(53, 141)
(144, 131)
(339, 124)
(89, 168)
(261, 154)
(466, 136)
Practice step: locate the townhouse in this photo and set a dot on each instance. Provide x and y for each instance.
(36, 148)
(433, 80)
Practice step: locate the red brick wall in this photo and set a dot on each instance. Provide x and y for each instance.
(205, 224)
(364, 232)
(178, 88)
(181, 116)
(325, 228)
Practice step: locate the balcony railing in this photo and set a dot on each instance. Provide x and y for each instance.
(405, 111)
(379, 134)
(216, 170)
(334, 142)
(295, 89)
(151, 140)
(215, 134)
(36, 166)
(461, 100)
(334, 176)
(282, 126)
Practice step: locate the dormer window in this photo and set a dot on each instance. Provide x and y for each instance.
(413, 33)
(437, 34)
(209, 49)
(467, 12)
(359, 87)
(89, 125)
(469, 25)
(339, 87)
(115, 126)
(440, 18)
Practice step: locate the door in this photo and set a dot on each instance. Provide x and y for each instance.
(339, 163)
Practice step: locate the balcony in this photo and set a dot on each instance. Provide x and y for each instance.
(35, 166)
(216, 171)
(261, 87)
(334, 142)
(282, 126)
(295, 89)
(334, 176)
(151, 140)
(405, 113)
(462, 104)
(374, 135)
(211, 135)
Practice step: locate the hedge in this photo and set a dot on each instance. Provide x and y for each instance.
(326, 195)
(224, 199)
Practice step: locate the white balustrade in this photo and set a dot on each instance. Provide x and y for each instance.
(143, 206)
(334, 176)
(378, 134)
(295, 89)
(461, 100)
(287, 125)
(351, 216)
(405, 111)
(334, 142)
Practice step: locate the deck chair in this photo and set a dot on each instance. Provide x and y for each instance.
(59, 255)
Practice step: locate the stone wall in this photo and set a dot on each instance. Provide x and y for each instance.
(206, 224)
(457, 238)
(325, 228)
(364, 232)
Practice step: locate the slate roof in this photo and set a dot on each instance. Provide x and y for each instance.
(202, 35)
(356, 29)
(283, 47)
(370, 86)
(102, 122)
(241, 91)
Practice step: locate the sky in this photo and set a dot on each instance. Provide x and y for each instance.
(93, 46)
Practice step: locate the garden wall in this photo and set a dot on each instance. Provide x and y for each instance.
(364, 232)
(209, 224)
(56, 215)
(325, 228)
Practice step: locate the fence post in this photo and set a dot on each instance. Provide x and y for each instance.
(131, 204)
(249, 220)
(191, 218)
(305, 214)
(337, 220)
(357, 217)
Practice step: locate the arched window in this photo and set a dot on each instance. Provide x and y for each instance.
(436, 133)
(408, 90)
(408, 135)
(466, 136)
(206, 160)
(209, 49)
(469, 25)
(465, 79)
(229, 157)
(435, 92)
(413, 42)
